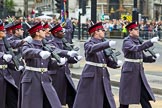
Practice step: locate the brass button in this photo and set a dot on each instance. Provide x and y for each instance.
(42, 69)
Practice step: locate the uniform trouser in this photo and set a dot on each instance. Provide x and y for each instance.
(11, 96)
(70, 95)
(144, 99)
(106, 103)
(46, 103)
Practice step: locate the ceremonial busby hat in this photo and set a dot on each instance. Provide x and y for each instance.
(56, 29)
(95, 27)
(45, 26)
(131, 25)
(35, 28)
(1, 26)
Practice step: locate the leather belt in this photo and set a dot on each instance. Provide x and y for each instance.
(3, 66)
(96, 64)
(134, 60)
(36, 69)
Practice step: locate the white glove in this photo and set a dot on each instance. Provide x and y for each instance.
(7, 57)
(157, 55)
(20, 68)
(78, 58)
(63, 61)
(72, 53)
(63, 29)
(28, 39)
(112, 43)
(44, 54)
(119, 63)
(155, 39)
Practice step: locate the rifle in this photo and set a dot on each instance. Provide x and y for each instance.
(9, 50)
(110, 53)
(48, 48)
(67, 45)
(150, 50)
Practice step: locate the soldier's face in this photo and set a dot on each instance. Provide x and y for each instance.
(9, 31)
(42, 34)
(134, 32)
(2, 34)
(60, 34)
(20, 31)
(47, 32)
(100, 34)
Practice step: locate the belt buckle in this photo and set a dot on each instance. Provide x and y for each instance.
(4, 67)
(42, 70)
(103, 65)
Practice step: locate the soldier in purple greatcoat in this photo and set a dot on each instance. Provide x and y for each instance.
(94, 88)
(8, 88)
(134, 88)
(36, 85)
(16, 41)
(62, 80)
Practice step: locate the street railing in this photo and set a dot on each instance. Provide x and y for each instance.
(144, 34)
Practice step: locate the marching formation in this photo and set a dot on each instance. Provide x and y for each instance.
(34, 70)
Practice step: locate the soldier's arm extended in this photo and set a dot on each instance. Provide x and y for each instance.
(29, 52)
(48, 48)
(68, 46)
(150, 49)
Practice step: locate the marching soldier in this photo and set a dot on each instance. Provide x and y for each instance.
(94, 89)
(8, 88)
(134, 88)
(16, 43)
(36, 84)
(62, 80)
(47, 32)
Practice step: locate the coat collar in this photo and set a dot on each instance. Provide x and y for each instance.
(15, 37)
(95, 40)
(1, 42)
(58, 40)
(134, 39)
(37, 42)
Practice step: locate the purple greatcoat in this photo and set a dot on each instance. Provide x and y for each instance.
(68, 30)
(37, 86)
(132, 74)
(94, 85)
(16, 43)
(62, 80)
(6, 80)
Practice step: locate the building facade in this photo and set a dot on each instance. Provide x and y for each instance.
(23, 7)
(151, 9)
(156, 9)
